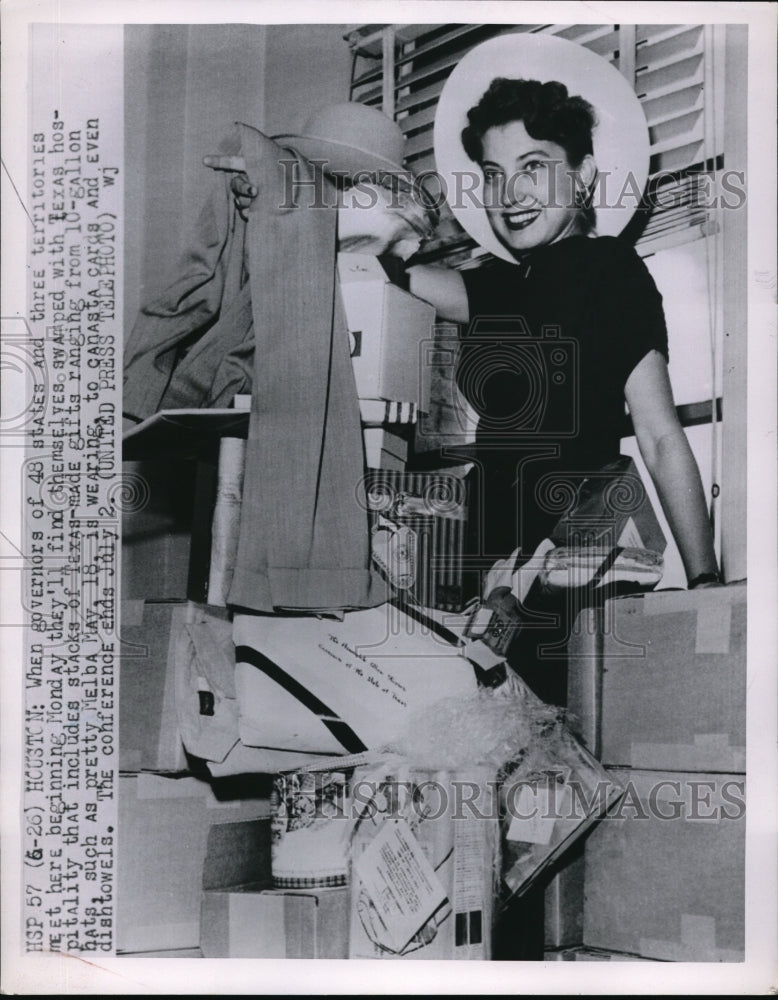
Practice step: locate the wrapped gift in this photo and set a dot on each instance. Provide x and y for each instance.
(417, 521)
(423, 862)
(607, 507)
(311, 827)
(549, 804)
(533, 791)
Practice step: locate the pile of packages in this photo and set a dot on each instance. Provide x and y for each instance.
(421, 784)
(413, 849)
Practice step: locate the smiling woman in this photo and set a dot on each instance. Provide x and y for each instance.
(527, 186)
(569, 324)
(534, 145)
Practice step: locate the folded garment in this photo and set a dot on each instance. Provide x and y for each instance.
(597, 567)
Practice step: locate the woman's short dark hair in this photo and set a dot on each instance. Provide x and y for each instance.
(547, 110)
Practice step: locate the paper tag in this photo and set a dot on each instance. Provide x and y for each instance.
(535, 810)
(630, 536)
(400, 882)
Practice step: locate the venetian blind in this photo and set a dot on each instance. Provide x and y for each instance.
(402, 69)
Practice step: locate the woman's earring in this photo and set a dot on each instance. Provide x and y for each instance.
(583, 196)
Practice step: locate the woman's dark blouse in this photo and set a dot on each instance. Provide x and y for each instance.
(550, 345)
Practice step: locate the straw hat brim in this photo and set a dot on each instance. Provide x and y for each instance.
(620, 141)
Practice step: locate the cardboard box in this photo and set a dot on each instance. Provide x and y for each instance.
(247, 922)
(680, 656)
(384, 450)
(177, 838)
(665, 871)
(149, 736)
(423, 864)
(387, 328)
(564, 903)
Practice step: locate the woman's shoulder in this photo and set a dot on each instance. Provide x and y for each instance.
(608, 257)
(605, 248)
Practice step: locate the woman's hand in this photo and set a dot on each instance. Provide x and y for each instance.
(374, 220)
(371, 219)
(243, 191)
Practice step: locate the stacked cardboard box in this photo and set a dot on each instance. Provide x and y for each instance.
(657, 684)
(388, 329)
(167, 505)
(253, 921)
(665, 875)
(177, 838)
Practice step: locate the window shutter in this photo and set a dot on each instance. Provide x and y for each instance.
(402, 68)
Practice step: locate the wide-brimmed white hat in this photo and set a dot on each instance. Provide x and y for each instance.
(620, 139)
(352, 138)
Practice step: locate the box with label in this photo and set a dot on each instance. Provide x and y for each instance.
(680, 656)
(178, 836)
(423, 863)
(253, 922)
(387, 328)
(665, 870)
(331, 687)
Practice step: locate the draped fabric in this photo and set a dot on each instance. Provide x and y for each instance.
(257, 306)
(304, 542)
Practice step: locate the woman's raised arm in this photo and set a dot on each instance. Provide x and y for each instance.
(443, 288)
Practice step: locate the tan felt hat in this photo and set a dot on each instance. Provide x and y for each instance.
(351, 138)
